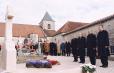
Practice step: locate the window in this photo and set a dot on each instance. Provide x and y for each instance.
(49, 26)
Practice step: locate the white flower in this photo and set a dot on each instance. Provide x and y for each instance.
(94, 66)
(91, 67)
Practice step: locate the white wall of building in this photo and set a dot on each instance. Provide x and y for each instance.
(1, 40)
(15, 39)
(59, 38)
(45, 25)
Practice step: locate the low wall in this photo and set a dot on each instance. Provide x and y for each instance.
(23, 59)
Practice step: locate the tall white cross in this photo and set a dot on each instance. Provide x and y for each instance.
(8, 56)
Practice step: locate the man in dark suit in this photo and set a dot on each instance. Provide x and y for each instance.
(53, 49)
(81, 48)
(103, 46)
(74, 49)
(91, 47)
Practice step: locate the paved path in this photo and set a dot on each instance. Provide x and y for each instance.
(67, 66)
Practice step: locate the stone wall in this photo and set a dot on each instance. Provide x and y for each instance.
(109, 26)
(75, 34)
(59, 38)
(45, 25)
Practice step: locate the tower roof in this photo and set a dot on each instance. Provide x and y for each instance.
(46, 17)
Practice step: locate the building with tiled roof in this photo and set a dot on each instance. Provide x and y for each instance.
(50, 33)
(44, 30)
(106, 22)
(48, 26)
(46, 17)
(67, 27)
(23, 30)
(47, 22)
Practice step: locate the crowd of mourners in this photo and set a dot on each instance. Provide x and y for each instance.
(56, 49)
(92, 45)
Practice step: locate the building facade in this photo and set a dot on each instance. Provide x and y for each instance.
(67, 27)
(108, 24)
(40, 32)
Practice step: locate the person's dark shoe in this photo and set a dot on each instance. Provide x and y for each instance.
(101, 66)
(83, 62)
(80, 62)
(105, 66)
(75, 60)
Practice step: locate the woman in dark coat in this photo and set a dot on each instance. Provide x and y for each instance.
(103, 46)
(91, 48)
(81, 48)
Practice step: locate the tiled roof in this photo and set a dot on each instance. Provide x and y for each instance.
(50, 33)
(69, 26)
(23, 30)
(97, 22)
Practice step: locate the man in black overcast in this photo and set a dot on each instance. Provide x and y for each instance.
(91, 47)
(103, 46)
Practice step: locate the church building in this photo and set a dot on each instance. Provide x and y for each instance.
(40, 32)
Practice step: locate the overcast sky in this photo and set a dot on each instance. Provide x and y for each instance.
(32, 11)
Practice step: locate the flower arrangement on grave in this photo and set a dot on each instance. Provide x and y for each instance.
(88, 68)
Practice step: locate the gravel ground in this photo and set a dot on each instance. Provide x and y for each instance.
(67, 66)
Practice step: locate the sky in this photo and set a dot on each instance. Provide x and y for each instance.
(32, 11)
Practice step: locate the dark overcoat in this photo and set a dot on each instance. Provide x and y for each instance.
(81, 46)
(62, 46)
(91, 45)
(74, 46)
(102, 42)
(53, 46)
(68, 46)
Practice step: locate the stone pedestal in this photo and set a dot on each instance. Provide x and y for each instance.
(8, 55)
(39, 48)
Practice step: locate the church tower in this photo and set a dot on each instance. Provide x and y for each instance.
(47, 22)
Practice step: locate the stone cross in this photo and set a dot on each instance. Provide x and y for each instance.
(8, 56)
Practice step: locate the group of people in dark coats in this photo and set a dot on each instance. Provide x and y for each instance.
(78, 48)
(95, 43)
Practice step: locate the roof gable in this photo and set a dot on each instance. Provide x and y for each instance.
(69, 26)
(50, 33)
(23, 30)
(46, 17)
